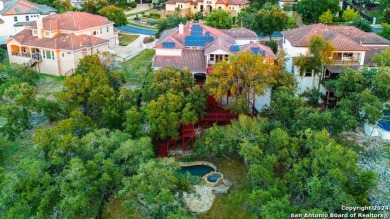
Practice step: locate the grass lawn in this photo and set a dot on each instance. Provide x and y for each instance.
(136, 68)
(230, 205)
(48, 86)
(116, 209)
(126, 39)
(142, 26)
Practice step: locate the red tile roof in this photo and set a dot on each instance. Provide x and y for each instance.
(233, 2)
(300, 37)
(60, 41)
(360, 36)
(73, 21)
(268, 51)
(15, 7)
(193, 59)
(241, 33)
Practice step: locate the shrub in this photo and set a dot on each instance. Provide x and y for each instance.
(154, 15)
(273, 45)
(133, 4)
(148, 40)
(136, 17)
(349, 15)
(362, 24)
(152, 21)
(3, 54)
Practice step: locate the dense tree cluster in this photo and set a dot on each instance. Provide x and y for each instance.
(311, 10)
(219, 19)
(92, 149)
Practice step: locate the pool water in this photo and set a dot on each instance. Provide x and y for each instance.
(214, 177)
(384, 124)
(197, 170)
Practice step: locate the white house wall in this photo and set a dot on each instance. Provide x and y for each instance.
(7, 28)
(245, 41)
(168, 52)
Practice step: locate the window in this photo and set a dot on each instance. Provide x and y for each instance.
(23, 49)
(211, 57)
(52, 55)
(194, 6)
(101, 30)
(107, 29)
(284, 39)
(27, 18)
(47, 33)
(181, 6)
(219, 7)
(63, 54)
(48, 54)
(16, 19)
(35, 32)
(94, 32)
(44, 53)
(308, 73)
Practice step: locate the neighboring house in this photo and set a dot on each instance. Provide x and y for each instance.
(55, 44)
(197, 47)
(189, 7)
(77, 3)
(282, 3)
(353, 48)
(15, 13)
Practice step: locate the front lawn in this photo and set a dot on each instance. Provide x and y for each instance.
(126, 39)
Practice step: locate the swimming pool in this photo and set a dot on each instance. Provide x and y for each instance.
(197, 170)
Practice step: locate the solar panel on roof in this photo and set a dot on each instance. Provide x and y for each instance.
(168, 45)
(197, 38)
(234, 48)
(257, 51)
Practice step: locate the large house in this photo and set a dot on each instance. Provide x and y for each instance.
(55, 44)
(197, 47)
(354, 48)
(15, 13)
(189, 7)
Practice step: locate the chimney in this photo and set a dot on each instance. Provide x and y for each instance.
(1, 5)
(181, 28)
(39, 23)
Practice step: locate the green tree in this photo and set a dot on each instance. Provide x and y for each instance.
(170, 21)
(90, 89)
(386, 16)
(326, 17)
(174, 100)
(270, 19)
(311, 10)
(157, 188)
(349, 14)
(362, 24)
(258, 4)
(63, 5)
(115, 14)
(385, 32)
(219, 19)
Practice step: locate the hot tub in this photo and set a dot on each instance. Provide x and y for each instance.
(213, 179)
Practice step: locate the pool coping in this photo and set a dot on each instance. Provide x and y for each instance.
(195, 163)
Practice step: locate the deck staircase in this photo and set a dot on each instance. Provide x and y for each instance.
(187, 135)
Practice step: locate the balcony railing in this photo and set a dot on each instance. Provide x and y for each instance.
(346, 62)
(21, 54)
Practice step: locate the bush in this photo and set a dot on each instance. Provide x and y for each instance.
(362, 24)
(133, 4)
(273, 45)
(148, 40)
(3, 54)
(152, 21)
(143, 13)
(136, 17)
(154, 15)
